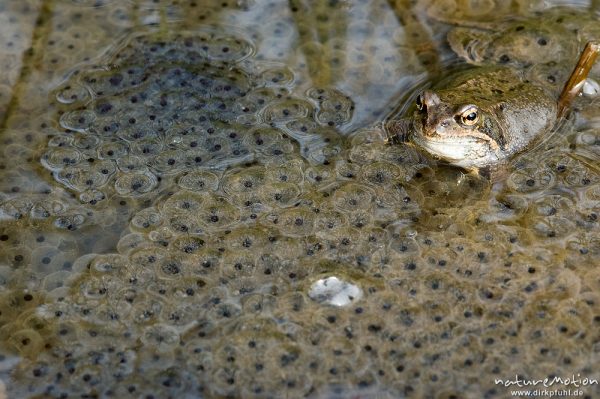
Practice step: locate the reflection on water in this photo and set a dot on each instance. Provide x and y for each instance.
(188, 188)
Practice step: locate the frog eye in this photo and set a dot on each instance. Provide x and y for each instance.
(470, 116)
(419, 103)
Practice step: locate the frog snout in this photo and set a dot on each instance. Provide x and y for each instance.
(436, 119)
(430, 99)
(437, 125)
(441, 127)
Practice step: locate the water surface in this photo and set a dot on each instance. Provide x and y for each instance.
(175, 176)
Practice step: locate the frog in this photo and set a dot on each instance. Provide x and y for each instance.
(479, 117)
(515, 91)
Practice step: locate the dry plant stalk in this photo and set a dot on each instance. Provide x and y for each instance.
(578, 76)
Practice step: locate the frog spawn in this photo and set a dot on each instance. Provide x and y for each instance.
(74, 24)
(548, 40)
(170, 107)
(440, 263)
(222, 256)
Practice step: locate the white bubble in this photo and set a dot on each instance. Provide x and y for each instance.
(334, 291)
(591, 88)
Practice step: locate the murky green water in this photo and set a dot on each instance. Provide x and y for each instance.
(175, 176)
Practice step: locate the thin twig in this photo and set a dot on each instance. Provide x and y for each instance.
(578, 76)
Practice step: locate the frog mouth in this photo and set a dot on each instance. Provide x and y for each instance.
(454, 148)
(473, 138)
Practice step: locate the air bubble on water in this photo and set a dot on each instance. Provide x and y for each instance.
(334, 291)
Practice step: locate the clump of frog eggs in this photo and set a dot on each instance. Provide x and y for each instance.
(156, 119)
(208, 292)
(70, 33)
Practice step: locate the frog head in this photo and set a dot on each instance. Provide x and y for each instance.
(459, 132)
(481, 116)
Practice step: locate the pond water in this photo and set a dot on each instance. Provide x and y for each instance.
(197, 200)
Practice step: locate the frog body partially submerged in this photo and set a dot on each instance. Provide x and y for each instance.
(480, 117)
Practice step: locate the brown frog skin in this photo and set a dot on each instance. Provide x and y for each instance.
(478, 118)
